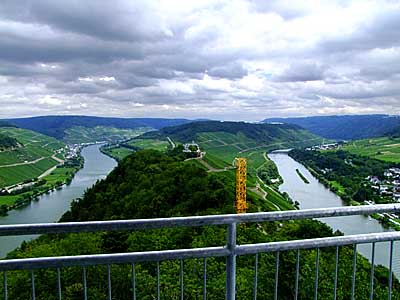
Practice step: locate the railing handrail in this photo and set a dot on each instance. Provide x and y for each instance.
(221, 251)
(230, 250)
(194, 221)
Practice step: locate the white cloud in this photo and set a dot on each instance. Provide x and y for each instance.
(49, 100)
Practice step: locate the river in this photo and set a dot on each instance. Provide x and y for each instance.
(316, 195)
(50, 207)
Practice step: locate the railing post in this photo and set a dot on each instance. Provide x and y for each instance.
(231, 262)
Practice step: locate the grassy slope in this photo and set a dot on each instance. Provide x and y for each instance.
(160, 145)
(221, 149)
(13, 175)
(118, 153)
(79, 134)
(35, 146)
(383, 148)
(121, 152)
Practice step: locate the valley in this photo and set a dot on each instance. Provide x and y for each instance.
(188, 170)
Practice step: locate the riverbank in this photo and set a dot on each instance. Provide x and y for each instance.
(51, 206)
(346, 177)
(316, 195)
(116, 152)
(58, 177)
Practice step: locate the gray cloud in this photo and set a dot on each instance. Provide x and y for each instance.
(232, 71)
(230, 59)
(302, 71)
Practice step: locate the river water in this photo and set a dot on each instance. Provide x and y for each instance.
(52, 206)
(316, 195)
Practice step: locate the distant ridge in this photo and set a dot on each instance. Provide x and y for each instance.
(345, 127)
(258, 132)
(6, 124)
(55, 126)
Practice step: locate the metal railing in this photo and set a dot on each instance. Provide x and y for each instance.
(230, 250)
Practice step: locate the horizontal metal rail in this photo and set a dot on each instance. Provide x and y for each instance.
(141, 224)
(102, 259)
(318, 243)
(230, 250)
(133, 257)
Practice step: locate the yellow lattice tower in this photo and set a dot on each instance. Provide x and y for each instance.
(241, 172)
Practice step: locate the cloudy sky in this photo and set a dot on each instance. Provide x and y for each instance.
(232, 59)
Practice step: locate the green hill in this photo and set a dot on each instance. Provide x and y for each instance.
(69, 128)
(258, 132)
(223, 141)
(151, 184)
(32, 158)
(347, 127)
(82, 134)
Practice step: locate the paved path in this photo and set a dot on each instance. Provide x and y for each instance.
(48, 172)
(23, 163)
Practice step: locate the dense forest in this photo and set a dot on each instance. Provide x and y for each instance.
(257, 132)
(394, 133)
(345, 173)
(7, 142)
(6, 124)
(349, 127)
(151, 184)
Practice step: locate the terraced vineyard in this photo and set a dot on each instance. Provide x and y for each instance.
(384, 148)
(80, 134)
(31, 159)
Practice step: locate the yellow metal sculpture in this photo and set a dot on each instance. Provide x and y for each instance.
(241, 172)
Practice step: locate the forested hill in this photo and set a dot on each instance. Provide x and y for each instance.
(56, 126)
(395, 133)
(258, 132)
(7, 142)
(348, 127)
(151, 184)
(5, 124)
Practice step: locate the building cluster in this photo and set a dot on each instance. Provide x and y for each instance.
(191, 148)
(389, 186)
(15, 188)
(331, 146)
(72, 151)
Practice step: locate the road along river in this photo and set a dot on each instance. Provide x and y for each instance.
(316, 195)
(51, 207)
